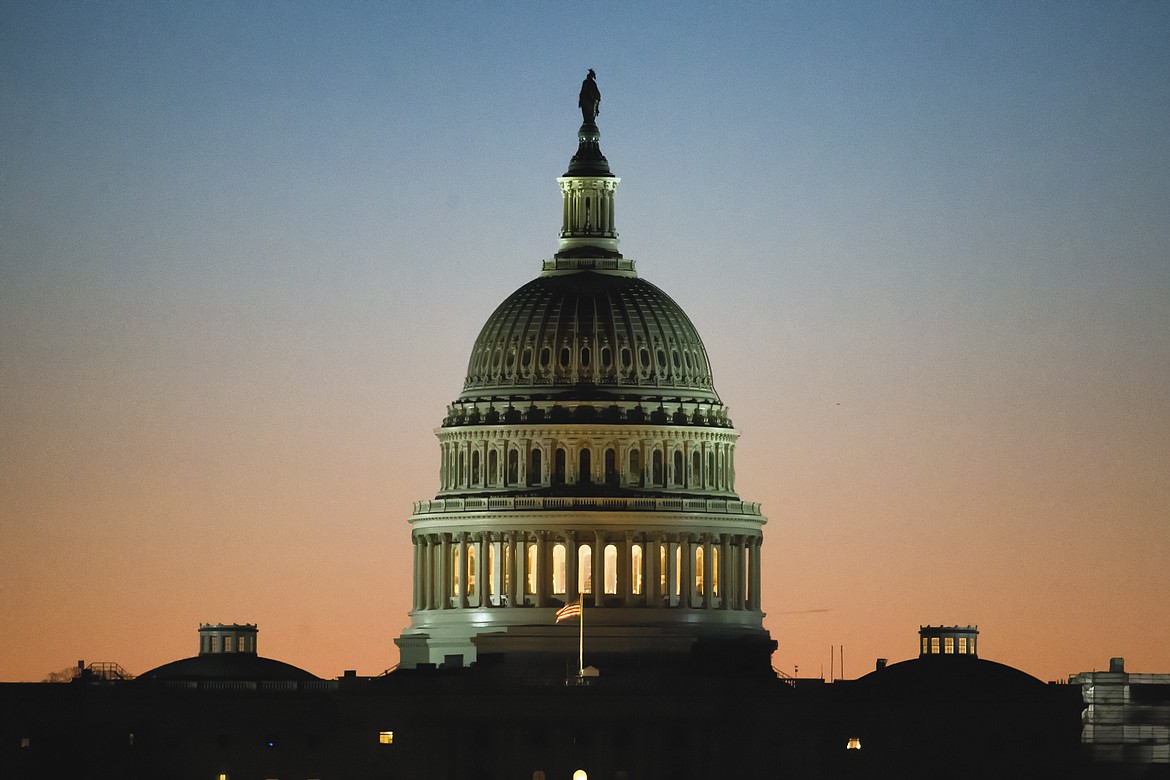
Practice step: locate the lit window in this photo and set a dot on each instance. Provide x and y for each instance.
(558, 568)
(585, 569)
(223, 776)
(25, 742)
(699, 569)
(925, 645)
(934, 645)
(470, 571)
(385, 737)
(853, 744)
(580, 774)
(715, 570)
(636, 568)
(530, 570)
(610, 568)
(962, 645)
(949, 648)
(538, 774)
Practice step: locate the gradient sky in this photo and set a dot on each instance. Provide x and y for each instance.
(245, 249)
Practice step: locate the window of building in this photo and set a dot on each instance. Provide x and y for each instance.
(611, 475)
(530, 570)
(715, 570)
(949, 645)
(385, 737)
(584, 357)
(580, 774)
(699, 568)
(538, 775)
(558, 568)
(962, 645)
(854, 743)
(636, 569)
(25, 742)
(696, 470)
(635, 467)
(677, 584)
(559, 467)
(491, 567)
(565, 357)
(677, 476)
(455, 578)
(662, 567)
(534, 469)
(470, 571)
(611, 557)
(475, 468)
(585, 569)
(493, 467)
(656, 472)
(925, 646)
(934, 645)
(585, 466)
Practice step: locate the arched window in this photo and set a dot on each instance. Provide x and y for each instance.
(565, 355)
(470, 571)
(584, 357)
(656, 473)
(493, 467)
(513, 466)
(715, 571)
(545, 357)
(558, 476)
(605, 357)
(460, 475)
(584, 466)
(611, 574)
(676, 586)
(611, 474)
(635, 467)
(534, 475)
(636, 569)
(662, 567)
(711, 469)
(678, 467)
(506, 572)
(475, 468)
(530, 570)
(585, 569)
(488, 586)
(455, 577)
(699, 568)
(558, 567)
(696, 470)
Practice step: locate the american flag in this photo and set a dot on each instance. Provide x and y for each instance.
(570, 610)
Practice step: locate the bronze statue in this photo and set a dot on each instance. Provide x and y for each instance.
(590, 99)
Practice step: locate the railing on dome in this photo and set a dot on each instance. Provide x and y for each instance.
(712, 505)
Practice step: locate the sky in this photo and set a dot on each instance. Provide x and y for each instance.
(245, 248)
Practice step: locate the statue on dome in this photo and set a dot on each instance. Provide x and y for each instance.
(590, 99)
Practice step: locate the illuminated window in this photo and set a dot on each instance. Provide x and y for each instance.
(934, 645)
(506, 570)
(470, 571)
(455, 569)
(558, 568)
(715, 570)
(636, 569)
(611, 568)
(699, 568)
(949, 647)
(962, 645)
(853, 744)
(491, 567)
(385, 737)
(530, 573)
(925, 646)
(585, 569)
(223, 776)
(677, 584)
(25, 742)
(662, 567)
(538, 775)
(580, 774)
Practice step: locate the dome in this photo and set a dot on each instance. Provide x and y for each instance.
(588, 333)
(228, 666)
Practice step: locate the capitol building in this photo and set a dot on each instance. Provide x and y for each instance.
(588, 458)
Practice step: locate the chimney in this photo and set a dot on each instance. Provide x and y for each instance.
(881, 664)
(1117, 664)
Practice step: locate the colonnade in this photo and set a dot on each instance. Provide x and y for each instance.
(510, 569)
(511, 460)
